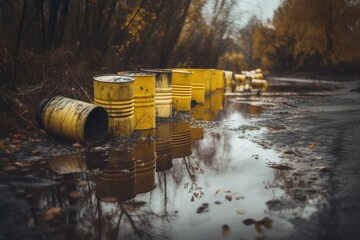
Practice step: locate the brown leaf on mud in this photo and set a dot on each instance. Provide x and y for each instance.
(52, 212)
(228, 197)
(312, 146)
(225, 231)
(77, 145)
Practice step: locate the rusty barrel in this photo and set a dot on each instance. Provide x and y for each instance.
(181, 90)
(72, 119)
(117, 181)
(163, 147)
(163, 92)
(144, 102)
(181, 140)
(145, 158)
(116, 94)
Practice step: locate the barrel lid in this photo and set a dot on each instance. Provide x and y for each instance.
(112, 78)
(135, 74)
(155, 70)
(181, 71)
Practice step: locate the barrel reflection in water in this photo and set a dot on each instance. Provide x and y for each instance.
(181, 140)
(145, 158)
(117, 181)
(163, 147)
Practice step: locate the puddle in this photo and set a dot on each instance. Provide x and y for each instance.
(185, 181)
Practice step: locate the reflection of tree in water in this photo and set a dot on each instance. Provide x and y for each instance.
(214, 153)
(193, 169)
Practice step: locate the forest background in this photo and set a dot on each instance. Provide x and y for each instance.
(54, 47)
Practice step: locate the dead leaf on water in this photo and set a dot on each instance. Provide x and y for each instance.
(240, 211)
(225, 231)
(312, 146)
(228, 197)
(249, 221)
(203, 208)
(218, 202)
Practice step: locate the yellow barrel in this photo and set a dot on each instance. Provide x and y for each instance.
(239, 77)
(181, 140)
(197, 112)
(116, 94)
(257, 76)
(117, 181)
(145, 158)
(163, 147)
(198, 85)
(259, 84)
(72, 119)
(163, 92)
(213, 80)
(207, 80)
(228, 78)
(144, 102)
(65, 164)
(207, 108)
(181, 90)
(220, 79)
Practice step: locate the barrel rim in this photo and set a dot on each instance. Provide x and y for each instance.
(128, 78)
(181, 71)
(135, 74)
(155, 70)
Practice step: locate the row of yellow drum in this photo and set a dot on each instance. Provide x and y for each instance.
(133, 100)
(129, 101)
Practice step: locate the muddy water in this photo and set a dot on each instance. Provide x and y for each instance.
(204, 179)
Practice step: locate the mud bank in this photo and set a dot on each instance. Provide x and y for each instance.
(320, 139)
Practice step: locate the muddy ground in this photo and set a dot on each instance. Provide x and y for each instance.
(313, 126)
(321, 140)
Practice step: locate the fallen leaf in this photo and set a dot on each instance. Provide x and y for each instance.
(228, 197)
(203, 208)
(218, 202)
(77, 145)
(312, 146)
(52, 212)
(249, 221)
(258, 227)
(9, 168)
(225, 231)
(240, 211)
(75, 194)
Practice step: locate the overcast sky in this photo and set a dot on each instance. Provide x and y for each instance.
(263, 9)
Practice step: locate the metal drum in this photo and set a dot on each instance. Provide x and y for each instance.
(181, 90)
